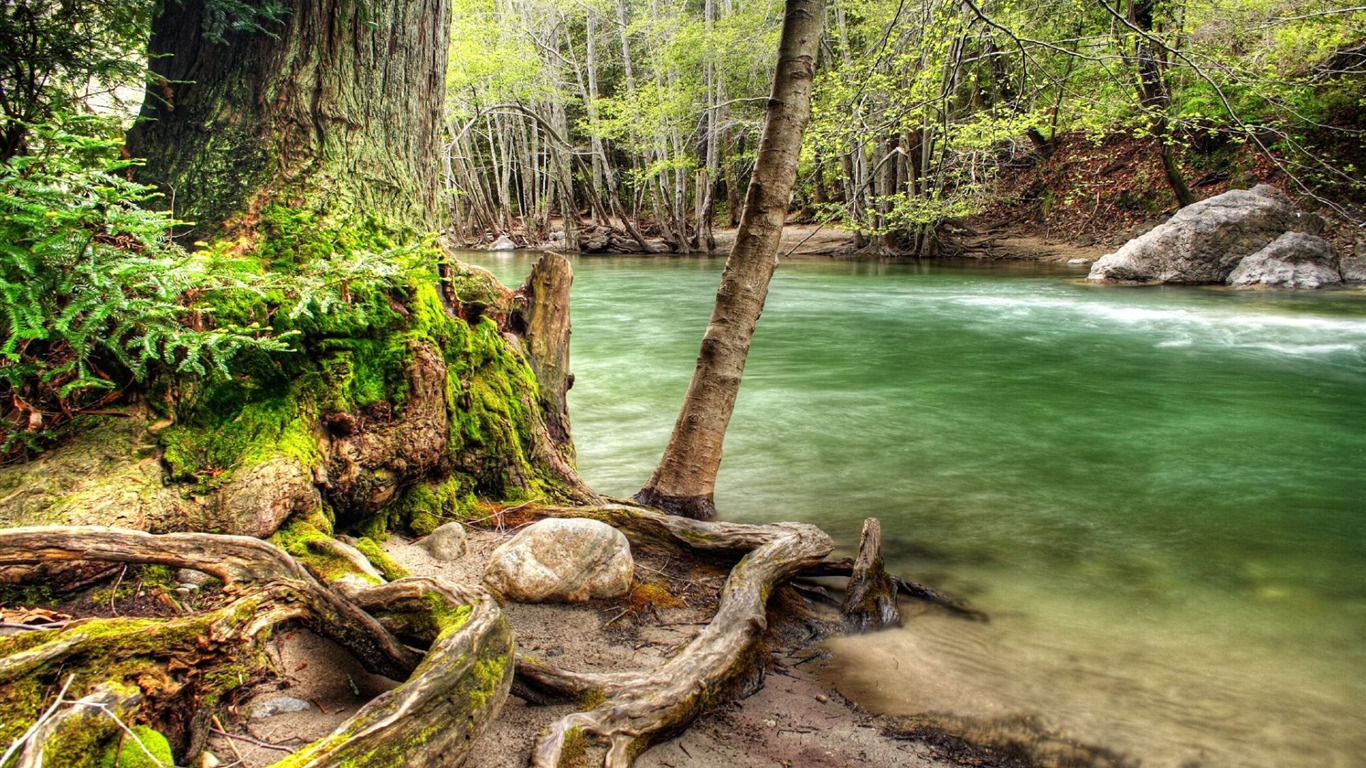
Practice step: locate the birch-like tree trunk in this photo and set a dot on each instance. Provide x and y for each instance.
(685, 480)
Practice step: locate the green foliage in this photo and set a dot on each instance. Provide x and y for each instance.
(55, 55)
(144, 748)
(91, 285)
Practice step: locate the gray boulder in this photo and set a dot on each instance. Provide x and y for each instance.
(503, 243)
(562, 561)
(1204, 242)
(1293, 260)
(1353, 264)
(446, 543)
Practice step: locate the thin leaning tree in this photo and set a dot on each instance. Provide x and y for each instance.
(684, 482)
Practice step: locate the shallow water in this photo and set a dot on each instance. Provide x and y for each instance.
(1157, 494)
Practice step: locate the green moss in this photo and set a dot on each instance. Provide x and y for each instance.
(25, 595)
(299, 538)
(155, 750)
(591, 699)
(21, 702)
(486, 680)
(382, 562)
(574, 753)
(448, 618)
(235, 425)
(428, 505)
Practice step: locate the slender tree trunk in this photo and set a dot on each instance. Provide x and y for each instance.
(1155, 95)
(685, 479)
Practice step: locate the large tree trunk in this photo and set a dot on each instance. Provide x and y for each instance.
(336, 108)
(685, 479)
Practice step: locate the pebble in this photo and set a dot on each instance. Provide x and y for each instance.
(822, 698)
(278, 706)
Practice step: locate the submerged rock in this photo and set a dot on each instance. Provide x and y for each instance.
(1204, 242)
(447, 543)
(562, 561)
(1293, 260)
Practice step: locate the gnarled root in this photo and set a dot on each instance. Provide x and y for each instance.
(431, 720)
(461, 684)
(870, 598)
(641, 708)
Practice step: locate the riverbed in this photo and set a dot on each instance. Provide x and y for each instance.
(1157, 494)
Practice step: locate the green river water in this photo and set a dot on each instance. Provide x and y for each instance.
(1157, 494)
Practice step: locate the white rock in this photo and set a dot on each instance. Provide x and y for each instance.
(503, 243)
(1204, 241)
(1293, 260)
(446, 543)
(278, 706)
(562, 561)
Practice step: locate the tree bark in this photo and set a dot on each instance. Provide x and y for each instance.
(685, 480)
(338, 108)
(1155, 96)
(870, 598)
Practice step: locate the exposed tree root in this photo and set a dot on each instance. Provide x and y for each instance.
(436, 717)
(431, 720)
(640, 708)
(272, 583)
(870, 598)
(845, 567)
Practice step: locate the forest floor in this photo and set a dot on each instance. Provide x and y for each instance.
(795, 719)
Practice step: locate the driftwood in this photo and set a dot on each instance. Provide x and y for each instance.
(431, 720)
(845, 567)
(870, 598)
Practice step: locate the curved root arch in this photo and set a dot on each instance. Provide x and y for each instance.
(430, 720)
(642, 708)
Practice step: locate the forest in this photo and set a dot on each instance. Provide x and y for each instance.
(254, 384)
(646, 117)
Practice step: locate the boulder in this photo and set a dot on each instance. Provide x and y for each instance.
(503, 243)
(1204, 242)
(1293, 260)
(1352, 265)
(559, 560)
(446, 543)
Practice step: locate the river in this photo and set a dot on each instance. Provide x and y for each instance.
(1158, 494)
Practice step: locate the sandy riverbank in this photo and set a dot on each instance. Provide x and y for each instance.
(797, 718)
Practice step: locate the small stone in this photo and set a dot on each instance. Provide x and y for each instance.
(446, 543)
(187, 589)
(193, 578)
(207, 759)
(278, 706)
(1078, 262)
(822, 698)
(559, 560)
